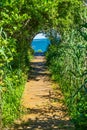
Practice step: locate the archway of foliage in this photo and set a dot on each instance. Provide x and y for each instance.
(19, 22)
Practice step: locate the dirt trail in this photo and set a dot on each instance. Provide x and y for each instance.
(44, 107)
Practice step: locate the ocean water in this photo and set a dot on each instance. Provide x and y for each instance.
(40, 44)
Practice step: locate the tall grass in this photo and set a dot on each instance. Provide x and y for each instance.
(13, 77)
(12, 89)
(67, 62)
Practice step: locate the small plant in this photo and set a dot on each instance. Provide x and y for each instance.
(39, 50)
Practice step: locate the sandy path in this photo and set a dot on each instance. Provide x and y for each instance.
(44, 107)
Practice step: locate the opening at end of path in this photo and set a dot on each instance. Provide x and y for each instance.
(40, 44)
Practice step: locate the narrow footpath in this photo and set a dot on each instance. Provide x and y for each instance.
(43, 103)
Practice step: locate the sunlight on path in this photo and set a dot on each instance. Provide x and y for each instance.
(44, 107)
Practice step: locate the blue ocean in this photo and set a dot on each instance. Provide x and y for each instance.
(40, 45)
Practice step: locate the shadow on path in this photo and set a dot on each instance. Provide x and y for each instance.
(45, 124)
(49, 117)
(44, 107)
(39, 54)
(38, 67)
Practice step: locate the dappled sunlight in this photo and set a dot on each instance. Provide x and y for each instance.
(45, 124)
(39, 68)
(44, 107)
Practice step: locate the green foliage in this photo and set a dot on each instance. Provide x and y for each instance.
(68, 64)
(12, 90)
(66, 14)
(19, 22)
